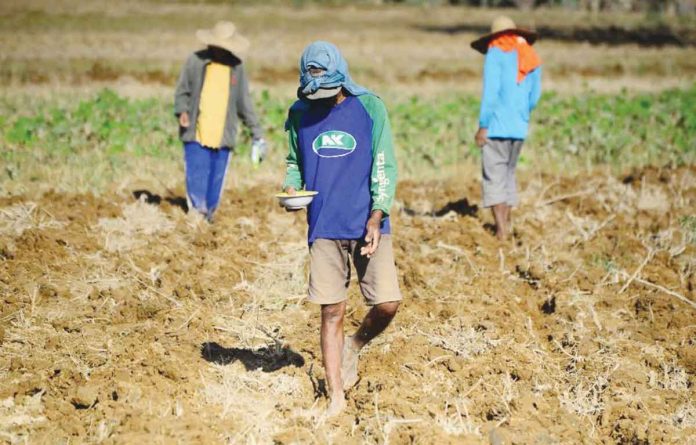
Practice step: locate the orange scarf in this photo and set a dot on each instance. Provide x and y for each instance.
(527, 58)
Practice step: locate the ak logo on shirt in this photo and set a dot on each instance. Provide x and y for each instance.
(334, 144)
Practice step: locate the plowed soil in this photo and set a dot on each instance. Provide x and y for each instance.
(126, 320)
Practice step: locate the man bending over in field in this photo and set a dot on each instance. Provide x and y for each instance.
(212, 92)
(341, 146)
(511, 90)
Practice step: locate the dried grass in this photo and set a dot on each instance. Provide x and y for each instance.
(18, 218)
(18, 416)
(670, 376)
(569, 373)
(139, 223)
(461, 338)
(685, 416)
(283, 281)
(585, 397)
(132, 34)
(456, 420)
(251, 399)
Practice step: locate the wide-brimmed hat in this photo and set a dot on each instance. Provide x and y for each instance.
(225, 35)
(502, 25)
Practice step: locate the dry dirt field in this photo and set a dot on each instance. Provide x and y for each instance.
(123, 320)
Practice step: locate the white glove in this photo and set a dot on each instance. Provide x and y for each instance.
(259, 148)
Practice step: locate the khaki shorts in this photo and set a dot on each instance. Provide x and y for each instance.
(498, 161)
(329, 271)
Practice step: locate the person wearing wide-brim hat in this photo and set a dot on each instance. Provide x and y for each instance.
(511, 90)
(211, 94)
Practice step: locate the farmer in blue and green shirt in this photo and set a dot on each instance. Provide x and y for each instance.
(341, 146)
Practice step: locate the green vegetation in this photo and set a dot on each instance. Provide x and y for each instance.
(688, 224)
(604, 262)
(101, 140)
(620, 130)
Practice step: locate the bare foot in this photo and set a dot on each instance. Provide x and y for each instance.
(349, 364)
(337, 404)
(195, 219)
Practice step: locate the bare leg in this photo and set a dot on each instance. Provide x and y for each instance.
(331, 347)
(372, 325)
(501, 214)
(508, 216)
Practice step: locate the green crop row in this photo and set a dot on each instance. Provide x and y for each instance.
(110, 134)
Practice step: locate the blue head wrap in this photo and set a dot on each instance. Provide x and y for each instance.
(326, 56)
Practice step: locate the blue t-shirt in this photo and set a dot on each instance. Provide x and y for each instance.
(336, 148)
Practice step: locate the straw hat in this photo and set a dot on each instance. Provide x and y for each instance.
(502, 25)
(225, 35)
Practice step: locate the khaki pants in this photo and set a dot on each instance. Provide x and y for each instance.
(329, 271)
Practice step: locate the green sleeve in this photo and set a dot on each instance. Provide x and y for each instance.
(293, 172)
(384, 170)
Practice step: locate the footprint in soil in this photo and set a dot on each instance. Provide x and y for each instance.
(267, 359)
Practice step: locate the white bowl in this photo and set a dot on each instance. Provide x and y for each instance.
(299, 200)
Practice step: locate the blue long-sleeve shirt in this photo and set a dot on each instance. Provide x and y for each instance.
(506, 104)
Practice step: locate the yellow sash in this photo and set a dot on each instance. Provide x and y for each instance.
(212, 111)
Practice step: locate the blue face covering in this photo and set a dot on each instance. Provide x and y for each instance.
(325, 56)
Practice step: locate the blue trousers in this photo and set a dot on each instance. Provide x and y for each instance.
(205, 176)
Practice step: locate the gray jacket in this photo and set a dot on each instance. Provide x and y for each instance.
(188, 96)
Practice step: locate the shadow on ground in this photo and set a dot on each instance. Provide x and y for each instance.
(267, 359)
(611, 35)
(153, 198)
(461, 207)
(318, 385)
